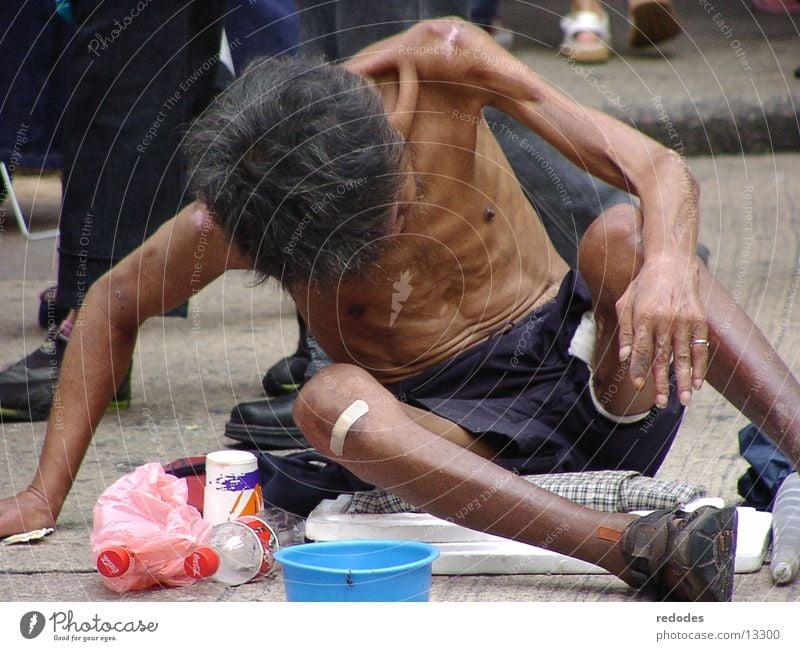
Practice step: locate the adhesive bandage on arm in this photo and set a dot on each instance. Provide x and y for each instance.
(343, 424)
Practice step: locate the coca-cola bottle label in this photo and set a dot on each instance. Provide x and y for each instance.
(268, 538)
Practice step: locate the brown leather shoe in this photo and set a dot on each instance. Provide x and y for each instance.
(683, 556)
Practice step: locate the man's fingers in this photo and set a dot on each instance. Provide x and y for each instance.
(642, 353)
(372, 64)
(661, 359)
(682, 361)
(625, 321)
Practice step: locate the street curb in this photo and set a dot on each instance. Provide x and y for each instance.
(711, 127)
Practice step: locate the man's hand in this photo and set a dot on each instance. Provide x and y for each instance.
(27, 511)
(423, 48)
(660, 315)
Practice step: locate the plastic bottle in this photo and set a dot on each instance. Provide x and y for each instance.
(291, 529)
(124, 569)
(114, 562)
(241, 551)
(786, 531)
(143, 529)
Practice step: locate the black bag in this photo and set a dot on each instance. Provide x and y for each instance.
(296, 482)
(299, 482)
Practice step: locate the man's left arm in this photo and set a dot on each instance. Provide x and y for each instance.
(661, 312)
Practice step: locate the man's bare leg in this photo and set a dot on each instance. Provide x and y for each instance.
(745, 369)
(38, 512)
(743, 366)
(388, 448)
(430, 466)
(385, 446)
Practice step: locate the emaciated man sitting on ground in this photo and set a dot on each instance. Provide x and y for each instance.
(387, 210)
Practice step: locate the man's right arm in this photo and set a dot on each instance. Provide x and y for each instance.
(184, 255)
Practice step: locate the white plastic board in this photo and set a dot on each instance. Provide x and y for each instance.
(464, 551)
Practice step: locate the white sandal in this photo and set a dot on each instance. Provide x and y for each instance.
(594, 51)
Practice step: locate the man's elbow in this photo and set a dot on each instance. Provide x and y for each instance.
(106, 302)
(444, 26)
(689, 183)
(452, 36)
(673, 166)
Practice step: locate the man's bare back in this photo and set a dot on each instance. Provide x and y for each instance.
(469, 254)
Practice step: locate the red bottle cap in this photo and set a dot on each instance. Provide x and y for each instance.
(113, 562)
(201, 563)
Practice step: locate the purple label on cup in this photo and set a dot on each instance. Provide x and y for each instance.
(238, 481)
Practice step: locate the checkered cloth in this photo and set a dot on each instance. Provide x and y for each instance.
(604, 490)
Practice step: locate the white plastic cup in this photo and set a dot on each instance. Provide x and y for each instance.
(233, 488)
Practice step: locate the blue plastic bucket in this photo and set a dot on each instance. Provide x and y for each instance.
(358, 570)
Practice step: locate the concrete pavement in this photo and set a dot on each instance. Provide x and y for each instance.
(185, 383)
(188, 374)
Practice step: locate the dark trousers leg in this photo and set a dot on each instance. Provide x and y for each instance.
(339, 30)
(33, 85)
(261, 27)
(566, 197)
(138, 74)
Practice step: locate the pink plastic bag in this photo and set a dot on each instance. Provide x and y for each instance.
(146, 513)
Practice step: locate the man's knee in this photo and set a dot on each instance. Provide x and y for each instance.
(609, 254)
(329, 395)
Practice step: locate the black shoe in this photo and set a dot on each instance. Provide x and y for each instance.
(266, 424)
(683, 556)
(27, 387)
(287, 375)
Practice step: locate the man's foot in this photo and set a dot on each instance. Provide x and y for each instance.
(683, 556)
(652, 22)
(287, 375)
(27, 387)
(587, 35)
(266, 424)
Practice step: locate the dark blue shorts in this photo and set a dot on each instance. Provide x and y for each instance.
(523, 392)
